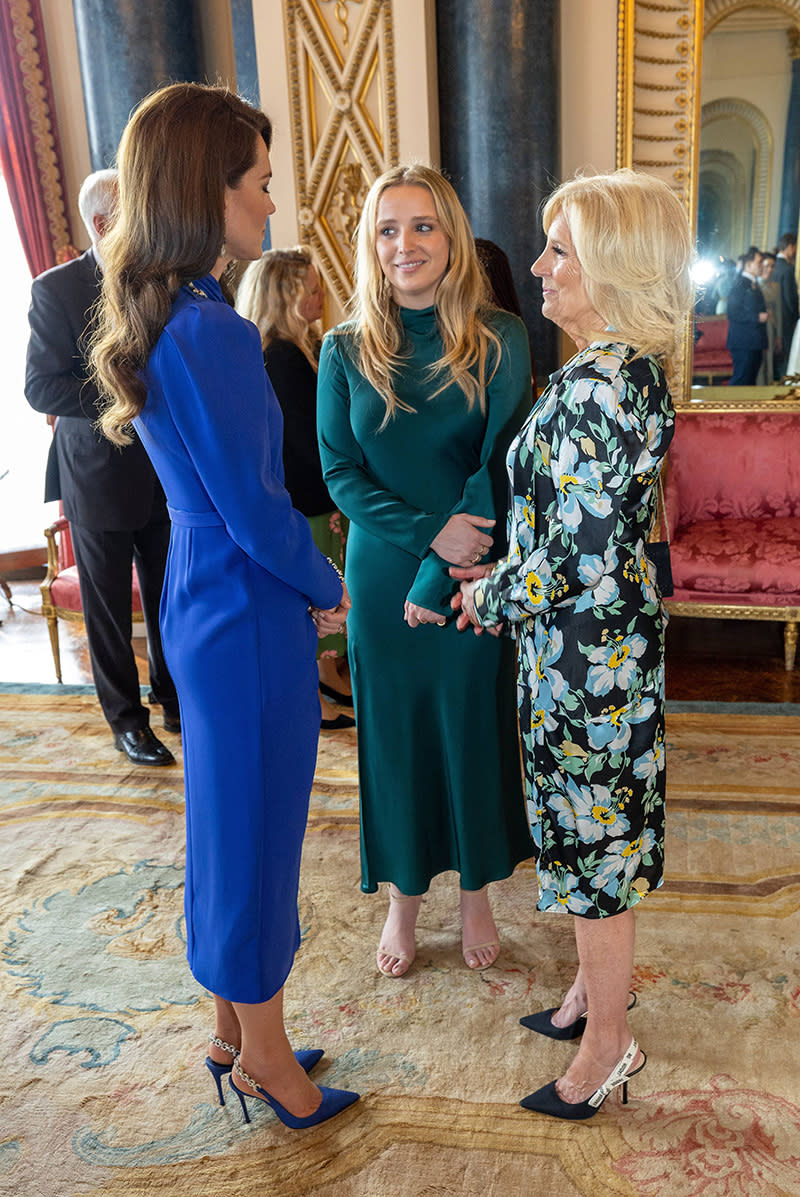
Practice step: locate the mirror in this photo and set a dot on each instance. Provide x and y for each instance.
(715, 135)
(744, 101)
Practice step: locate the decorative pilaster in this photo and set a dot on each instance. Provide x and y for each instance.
(127, 48)
(790, 187)
(499, 129)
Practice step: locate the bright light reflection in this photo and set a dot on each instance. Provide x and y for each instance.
(703, 271)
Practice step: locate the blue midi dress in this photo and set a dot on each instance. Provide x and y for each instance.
(241, 574)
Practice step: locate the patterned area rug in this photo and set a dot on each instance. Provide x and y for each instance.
(103, 1089)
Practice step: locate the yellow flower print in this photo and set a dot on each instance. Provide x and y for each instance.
(570, 749)
(604, 815)
(537, 717)
(533, 585)
(632, 848)
(618, 656)
(641, 886)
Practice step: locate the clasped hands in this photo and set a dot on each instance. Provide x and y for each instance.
(329, 622)
(464, 540)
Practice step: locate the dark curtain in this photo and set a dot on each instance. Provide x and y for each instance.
(30, 156)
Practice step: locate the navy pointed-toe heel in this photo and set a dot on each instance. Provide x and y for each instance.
(547, 1101)
(541, 1023)
(307, 1058)
(333, 1101)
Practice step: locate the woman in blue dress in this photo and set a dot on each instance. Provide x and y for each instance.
(581, 594)
(245, 585)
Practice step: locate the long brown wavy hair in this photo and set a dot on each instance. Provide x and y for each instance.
(182, 147)
(463, 306)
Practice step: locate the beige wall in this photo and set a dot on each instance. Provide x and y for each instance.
(588, 85)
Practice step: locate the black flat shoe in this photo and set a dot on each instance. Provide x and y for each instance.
(142, 748)
(547, 1101)
(541, 1023)
(344, 700)
(338, 724)
(172, 723)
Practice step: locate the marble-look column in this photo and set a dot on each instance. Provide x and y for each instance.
(790, 188)
(498, 66)
(127, 48)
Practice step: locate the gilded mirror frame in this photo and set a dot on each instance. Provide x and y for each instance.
(659, 70)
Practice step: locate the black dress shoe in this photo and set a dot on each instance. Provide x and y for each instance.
(172, 723)
(344, 700)
(142, 748)
(338, 724)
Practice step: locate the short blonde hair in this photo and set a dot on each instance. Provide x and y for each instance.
(632, 239)
(462, 298)
(270, 293)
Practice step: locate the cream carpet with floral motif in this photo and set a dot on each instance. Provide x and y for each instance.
(103, 1090)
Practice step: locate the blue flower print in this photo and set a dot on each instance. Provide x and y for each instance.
(648, 458)
(614, 663)
(594, 813)
(578, 486)
(621, 863)
(650, 763)
(560, 892)
(611, 730)
(597, 574)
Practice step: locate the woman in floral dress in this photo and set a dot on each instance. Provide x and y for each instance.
(581, 595)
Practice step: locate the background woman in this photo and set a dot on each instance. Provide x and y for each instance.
(577, 586)
(282, 294)
(242, 572)
(418, 398)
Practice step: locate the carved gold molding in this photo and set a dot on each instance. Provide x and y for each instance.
(344, 120)
(42, 121)
(658, 71)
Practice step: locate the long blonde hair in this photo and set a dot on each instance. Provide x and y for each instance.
(182, 147)
(632, 239)
(462, 300)
(270, 294)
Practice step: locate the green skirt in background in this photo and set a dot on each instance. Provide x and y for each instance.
(330, 536)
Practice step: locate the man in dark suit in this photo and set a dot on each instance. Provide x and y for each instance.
(784, 275)
(112, 498)
(747, 322)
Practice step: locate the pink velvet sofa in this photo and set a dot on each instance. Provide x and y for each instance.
(712, 359)
(732, 498)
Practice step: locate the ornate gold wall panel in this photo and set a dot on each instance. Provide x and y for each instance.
(660, 47)
(344, 120)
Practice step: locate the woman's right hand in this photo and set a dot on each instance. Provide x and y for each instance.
(329, 622)
(463, 541)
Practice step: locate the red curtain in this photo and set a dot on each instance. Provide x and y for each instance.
(30, 156)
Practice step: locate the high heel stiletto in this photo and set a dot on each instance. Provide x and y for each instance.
(306, 1058)
(541, 1023)
(333, 1101)
(547, 1101)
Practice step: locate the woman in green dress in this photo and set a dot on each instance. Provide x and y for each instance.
(419, 396)
(282, 294)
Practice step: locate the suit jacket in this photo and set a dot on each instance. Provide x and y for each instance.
(102, 487)
(784, 275)
(745, 301)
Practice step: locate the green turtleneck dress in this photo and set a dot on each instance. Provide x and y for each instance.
(438, 754)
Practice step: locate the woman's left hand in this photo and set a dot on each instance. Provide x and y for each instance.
(463, 600)
(414, 615)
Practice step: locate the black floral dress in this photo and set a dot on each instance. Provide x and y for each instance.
(580, 595)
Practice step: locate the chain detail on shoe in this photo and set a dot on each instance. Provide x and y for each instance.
(248, 1080)
(226, 1047)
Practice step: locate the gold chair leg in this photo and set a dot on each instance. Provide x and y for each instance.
(52, 627)
(789, 644)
